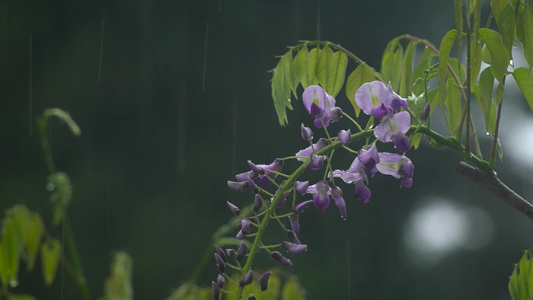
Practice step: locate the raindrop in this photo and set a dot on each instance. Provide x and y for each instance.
(50, 187)
(13, 283)
(487, 133)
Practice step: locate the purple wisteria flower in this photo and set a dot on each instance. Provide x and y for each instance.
(322, 195)
(317, 160)
(321, 106)
(380, 101)
(398, 166)
(356, 173)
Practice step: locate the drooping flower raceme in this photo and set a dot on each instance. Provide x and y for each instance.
(321, 106)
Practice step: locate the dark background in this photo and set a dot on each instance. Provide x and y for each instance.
(173, 97)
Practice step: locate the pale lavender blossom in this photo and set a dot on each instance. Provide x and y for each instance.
(397, 166)
(321, 106)
(344, 136)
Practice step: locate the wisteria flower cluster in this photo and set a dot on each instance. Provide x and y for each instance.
(376, 100)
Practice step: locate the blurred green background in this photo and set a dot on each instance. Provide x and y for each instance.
(173, 97)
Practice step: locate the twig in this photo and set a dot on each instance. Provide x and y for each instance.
(491, 183)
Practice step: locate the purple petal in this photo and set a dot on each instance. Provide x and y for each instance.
(234, 209)
(215, 290)
(306, 132)
(221, 281)
(301, 186)
(255, 169)
(248, 278)
(291, 236)
(401, 142)
(280, 258)
(317, 162)
(425, 113)
(368, 158)
(381, 111)
(371, 95)
(295, 222)
(244, 176)
(344, 136)
(294, 249)
(241, 251)
(240, 235)
(245, 226)
(346, 176)
(263, 280)
(258, 203)
(238, 186)
(389, 164)
(362, 193)
(298, 209)
(320, 203)
(336, 194)
(316, 111)
(314, 94)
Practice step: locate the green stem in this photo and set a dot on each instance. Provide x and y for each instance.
(76, 262)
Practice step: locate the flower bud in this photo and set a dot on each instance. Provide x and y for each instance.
(220, 263)
(221, 253)
(255, 168)
(294, 249)
(216, 290)
(307, 133)
(244, 176)
(253, 186)
(234, 209)
(247, 278)
(245, 227)
(263, 280)
(301, 186)
(425, 113)
(241, 252)
(298, 209)
(258, 203)
(317, 162)
(238, 186)
(221, 281)
(240, 235)
(344, 136)
(295, 223)
(281, 259)
(291, 236)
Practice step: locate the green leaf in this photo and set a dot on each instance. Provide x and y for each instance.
(63, 116)
(497, 7)
(506, 25)
(419, 73)
(459, 25)
(336, 70)
(62, 193)
(391, 63)
(281, 91)
(513, 284)
(290, 79)
(475, 46)
(300, 66)
(453, 104)
(10, 251)
(33, 239)
(118, 285)
(524, 32)
(444, 52)
(523, 277)
(362, 74)
(312, 64)
(499, 56)
(50, 257)
(324, 60)
(414, 140)
(458, 68)
(292, 290)
(524, 79)
(407, 69)
(484, 97)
